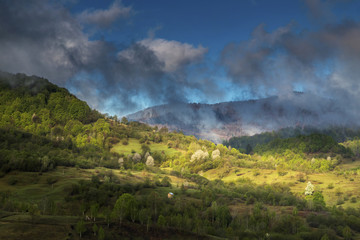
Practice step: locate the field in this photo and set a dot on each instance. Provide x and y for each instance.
(334, 188)
(34, 187)
(135, 146)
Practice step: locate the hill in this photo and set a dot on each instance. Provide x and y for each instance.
(68, 172)
(339, 134)
(218, 122)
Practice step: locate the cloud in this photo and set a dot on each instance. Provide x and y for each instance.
(103, 18)
(324, 62)
(175, 55)
(247, 63)
(319, 10)
(43, 38)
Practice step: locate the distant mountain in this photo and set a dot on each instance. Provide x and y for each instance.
(221, 121)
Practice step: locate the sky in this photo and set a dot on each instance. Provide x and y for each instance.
(124, 56)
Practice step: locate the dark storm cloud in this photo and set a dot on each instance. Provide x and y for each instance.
(42, 38)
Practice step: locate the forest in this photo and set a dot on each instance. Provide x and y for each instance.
(71, 170)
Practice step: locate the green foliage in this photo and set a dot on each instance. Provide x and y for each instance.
(339, 134)
(80, 228)
(101, 234)
(125, 206)
(313, 143)
(161, 221)
(45, 127)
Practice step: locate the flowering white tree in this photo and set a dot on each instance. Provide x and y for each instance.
(121, 162)
(136, 158)
(309, 190)
(150, 161)
(215, 154)
(199, 155)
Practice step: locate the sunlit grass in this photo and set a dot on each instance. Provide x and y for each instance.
(344, 188)
(135, 146)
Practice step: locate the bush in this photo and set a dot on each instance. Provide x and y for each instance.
(301, 177)
(12, 180)
(282, 173)
(166, 182)
(51, 180)
(256, 173)
(340, 201)
(330, 186)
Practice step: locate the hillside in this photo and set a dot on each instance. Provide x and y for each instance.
(68, 172)
(339, 134)
(218, 122)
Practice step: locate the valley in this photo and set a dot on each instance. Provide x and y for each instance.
(69, 172)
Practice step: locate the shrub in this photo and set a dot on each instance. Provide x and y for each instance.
(256, 173)
(51, 180)
(340, 201)
(338, 192)
(330, 186)
(301, 177)
(282, 173)
(12, 180)
(166, 182)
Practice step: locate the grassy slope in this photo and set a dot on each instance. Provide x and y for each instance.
(134, 145)
(320, 180)
(32, 187)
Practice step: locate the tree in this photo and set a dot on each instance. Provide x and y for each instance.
(95, 229)
(248, 149)
(166, 181)
(136, 158)
(94, 209)
(107, 214)
(150, 161)
(318, 199)
(143, 215)
(145, 148)
(80, 227)
(153, 202)
(121, 162)
(161, 221)
(123, 206)
(215, 154)
(124, 120)
(309, 190)
(346, 232)
(325, 237)
(34, 212)
(199, 155)
(101, 234)
(133, 209)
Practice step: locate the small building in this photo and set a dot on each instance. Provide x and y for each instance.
(170, 195)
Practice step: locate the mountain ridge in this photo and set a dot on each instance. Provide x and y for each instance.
(221, 121)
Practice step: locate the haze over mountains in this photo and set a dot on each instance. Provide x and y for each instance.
(221, 121)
